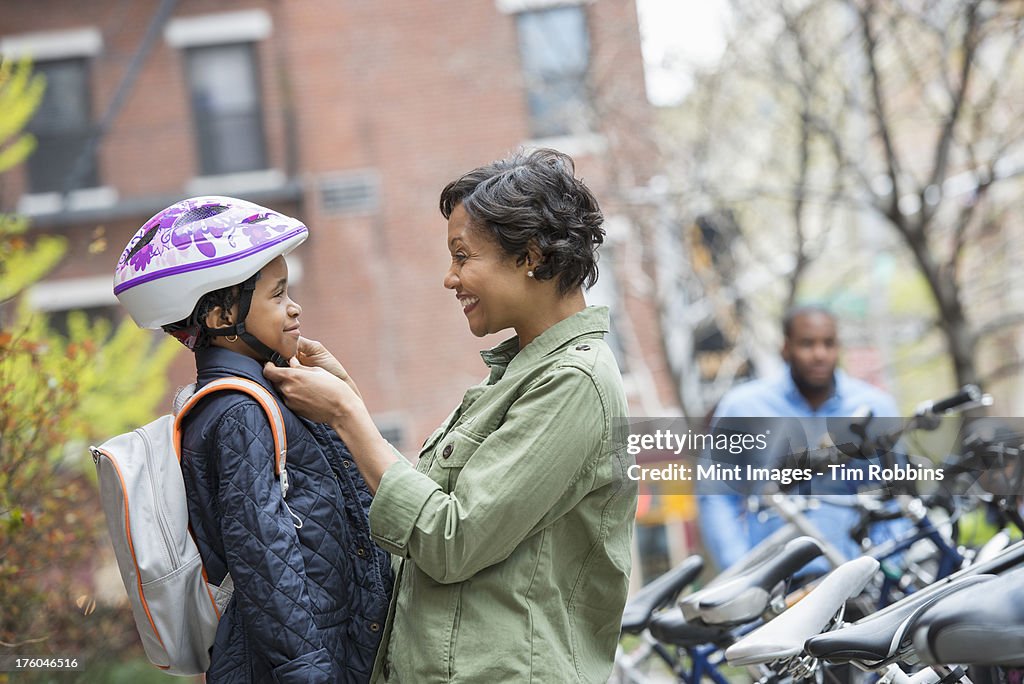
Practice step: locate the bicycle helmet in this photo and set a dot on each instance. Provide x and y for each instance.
(196, 246)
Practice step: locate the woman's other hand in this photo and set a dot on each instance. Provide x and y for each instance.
(314, 392)
(314, 354)
(324, 397)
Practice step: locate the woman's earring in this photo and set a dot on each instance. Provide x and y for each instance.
(529, 274)
(231, 338)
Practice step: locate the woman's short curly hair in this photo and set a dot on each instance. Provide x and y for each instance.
(534, 198)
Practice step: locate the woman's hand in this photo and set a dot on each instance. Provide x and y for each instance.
(315, 393)
(314, 354)
(324, 397)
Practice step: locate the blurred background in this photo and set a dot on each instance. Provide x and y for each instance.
(864, 155)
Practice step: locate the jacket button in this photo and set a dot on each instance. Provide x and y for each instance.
(361, 552)
(375, 627)
(583, 347)
(346, 463)
(448, 449)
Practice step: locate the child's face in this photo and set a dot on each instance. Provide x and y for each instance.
(273, 317)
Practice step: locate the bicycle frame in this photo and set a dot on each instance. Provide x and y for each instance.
(949, 561)
(950, 558)
(699, 662)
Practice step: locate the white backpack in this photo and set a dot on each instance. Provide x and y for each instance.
(143, 496)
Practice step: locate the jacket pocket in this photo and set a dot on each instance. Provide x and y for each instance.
(429, 443)
(456, 615)
(306, 668)
(452, 454)
(331, 618)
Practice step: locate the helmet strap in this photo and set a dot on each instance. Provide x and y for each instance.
(244, 303)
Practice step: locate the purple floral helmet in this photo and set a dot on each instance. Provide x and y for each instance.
(196, 246)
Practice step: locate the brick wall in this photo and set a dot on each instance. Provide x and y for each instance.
(414, 93)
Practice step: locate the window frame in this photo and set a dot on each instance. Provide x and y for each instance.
(48, 46)
(551, 124)
(209, 162)
(39, 177)
(226, 28)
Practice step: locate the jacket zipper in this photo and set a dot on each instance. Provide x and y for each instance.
(157, 508)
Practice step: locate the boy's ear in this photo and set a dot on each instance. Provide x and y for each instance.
(219, 317)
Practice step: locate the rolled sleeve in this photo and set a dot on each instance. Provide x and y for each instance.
(397, 505)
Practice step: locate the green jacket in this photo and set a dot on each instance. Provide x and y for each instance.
(513, 530)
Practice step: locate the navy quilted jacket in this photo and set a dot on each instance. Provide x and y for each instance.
(311, 587)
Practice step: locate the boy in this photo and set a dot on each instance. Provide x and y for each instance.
(311, 589)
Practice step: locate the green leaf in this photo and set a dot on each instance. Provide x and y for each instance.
(20, 95)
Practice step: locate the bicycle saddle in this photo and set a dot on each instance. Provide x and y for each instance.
(784, 636)
(670, 627)
(981, 625)
(881, 636)
(658, 593)
(747, 595)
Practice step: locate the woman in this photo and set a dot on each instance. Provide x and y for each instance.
(513, 530)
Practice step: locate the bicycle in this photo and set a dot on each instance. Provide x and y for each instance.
(692, 640)
(796, 643)
(690, 637)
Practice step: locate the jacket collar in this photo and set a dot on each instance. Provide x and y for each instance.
(216, 362)
(592, 321)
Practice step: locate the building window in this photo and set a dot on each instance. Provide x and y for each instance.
(62, 126)
(58, 298)
(554, 46)
(58, 320)
(226, 106)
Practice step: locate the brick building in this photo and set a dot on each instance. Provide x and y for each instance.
(350, 115)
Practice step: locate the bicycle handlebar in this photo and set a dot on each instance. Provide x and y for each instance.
(927, 414)
(926, 417)
(968, 394)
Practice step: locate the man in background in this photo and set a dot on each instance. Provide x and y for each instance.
(811, 389)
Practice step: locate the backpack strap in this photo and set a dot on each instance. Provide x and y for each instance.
(264, 398)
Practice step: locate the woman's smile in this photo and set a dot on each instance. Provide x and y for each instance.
(468, 302)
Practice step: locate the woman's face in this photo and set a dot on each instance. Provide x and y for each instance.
(490, 287)
(273, 317)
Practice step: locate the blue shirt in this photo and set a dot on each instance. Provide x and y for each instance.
(727, 527)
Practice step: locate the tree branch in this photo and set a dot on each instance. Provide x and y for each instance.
(968, 48)
(17, 644)
(999, 323)
(880, 114)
